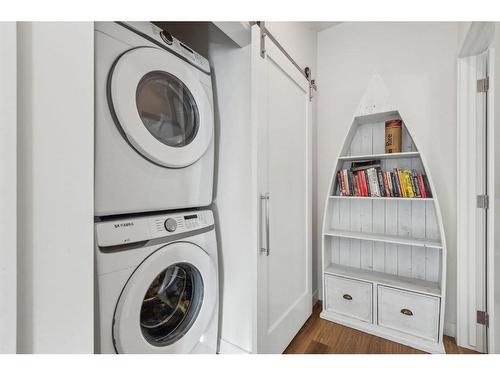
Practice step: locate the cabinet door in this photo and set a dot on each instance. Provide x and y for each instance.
(282, 110)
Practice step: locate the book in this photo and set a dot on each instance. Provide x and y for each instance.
(341, 183)
(380, 179)
(373, 182)
(358, 186)
(346, 182)
(397, 182)
(414, 180)
(421, 185)
(409, 193)
(366, 164)
(365, 183)
(427, 186)
(386, 184)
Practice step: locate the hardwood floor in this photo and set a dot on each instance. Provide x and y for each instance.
(319, 336)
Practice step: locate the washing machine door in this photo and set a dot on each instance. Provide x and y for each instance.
(161, 106)
(167, 303)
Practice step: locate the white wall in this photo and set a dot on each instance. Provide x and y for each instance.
(55, 179)
(417, 61)
(234, 190)
(8, 172)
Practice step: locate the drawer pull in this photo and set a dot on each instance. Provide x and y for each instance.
(347, 297)
(406, 312)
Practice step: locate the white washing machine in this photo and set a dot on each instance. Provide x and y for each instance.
(154, 125)
(157, 284)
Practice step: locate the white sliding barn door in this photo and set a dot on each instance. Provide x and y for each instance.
(282, 115)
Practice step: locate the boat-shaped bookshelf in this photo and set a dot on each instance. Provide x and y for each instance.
(384, 257)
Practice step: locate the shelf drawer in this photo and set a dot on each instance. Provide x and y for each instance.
(409, 312)
(349, 297)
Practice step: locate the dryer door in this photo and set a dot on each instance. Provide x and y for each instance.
(161, 106)
(168, 302)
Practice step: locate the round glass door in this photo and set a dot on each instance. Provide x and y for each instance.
(162, 106)
(171, 304)
(167, 109)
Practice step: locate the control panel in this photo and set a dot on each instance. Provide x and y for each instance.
(125, 231)
(166, 40)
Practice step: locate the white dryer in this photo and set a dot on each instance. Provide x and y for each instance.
(157, 284)
(154, 125)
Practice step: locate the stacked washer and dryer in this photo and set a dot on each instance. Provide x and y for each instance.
(156, 250)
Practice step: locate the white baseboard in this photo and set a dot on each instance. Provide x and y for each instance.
(450, 329)
(315, 297)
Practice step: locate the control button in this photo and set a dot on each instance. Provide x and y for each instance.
(167, 37)
(170, 224)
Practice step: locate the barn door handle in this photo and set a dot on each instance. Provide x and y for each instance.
(265, 198)
(406, 312)
(347, 297)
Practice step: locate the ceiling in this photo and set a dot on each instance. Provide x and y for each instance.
(321, 25)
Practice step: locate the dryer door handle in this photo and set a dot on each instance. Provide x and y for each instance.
(265, 198)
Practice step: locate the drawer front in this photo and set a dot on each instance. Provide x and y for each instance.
(349, 297)
(409, 312)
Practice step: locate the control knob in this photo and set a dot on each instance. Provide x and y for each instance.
(167, 37)
(170, 224)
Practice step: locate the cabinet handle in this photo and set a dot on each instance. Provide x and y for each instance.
(347, 297)
(265, 198)
(406, 312)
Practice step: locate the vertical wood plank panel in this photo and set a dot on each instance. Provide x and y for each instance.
(404, 230)
(418, 231)
(378, 140)
(334, 211)
(431, 227)
(335, 249)
(344, 244)
(355, 147)
(355, 250)
(391, 227)
(367, 226)
(366, 139)
(406, 141)
(379, 227)
(344, 214)
(432, 263)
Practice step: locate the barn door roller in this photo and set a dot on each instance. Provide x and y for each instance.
(306, 72)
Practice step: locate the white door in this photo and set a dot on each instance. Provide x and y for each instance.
(282, 111)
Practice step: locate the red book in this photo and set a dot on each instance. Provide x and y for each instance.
(386, 185)
(421, 186)
(363, 183)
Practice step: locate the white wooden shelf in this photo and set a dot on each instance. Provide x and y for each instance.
(379, 198)
(416, 285)
(397, 155)
(384, 238)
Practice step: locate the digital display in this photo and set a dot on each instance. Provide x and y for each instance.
(189, 217)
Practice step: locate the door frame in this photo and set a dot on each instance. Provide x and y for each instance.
(475, 285)
(8, 187)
